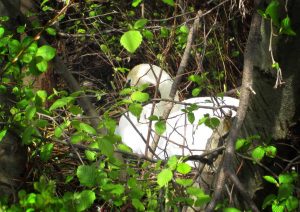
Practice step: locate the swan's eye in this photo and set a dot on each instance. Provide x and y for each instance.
(128, 83)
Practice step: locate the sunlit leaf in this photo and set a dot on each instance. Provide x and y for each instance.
(135, 3)
(164, 177)
(270, 179)
(136, 109)
(137, 204)
(183, 168)
(184, 182)
(131, 40)
(139, 96)
(87, 175)
(273, 11)
(140, 23)
(258, 153)
(46, 52)
(46, 151)
(169, 2)
(87, 128)
(160, 127)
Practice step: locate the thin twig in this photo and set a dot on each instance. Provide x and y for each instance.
(227, 163)
(179, 74)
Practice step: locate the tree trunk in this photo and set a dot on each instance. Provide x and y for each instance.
(272, 111)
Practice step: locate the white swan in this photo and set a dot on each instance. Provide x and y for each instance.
(181, 137)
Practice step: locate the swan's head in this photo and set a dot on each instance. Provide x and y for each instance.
(149, 74)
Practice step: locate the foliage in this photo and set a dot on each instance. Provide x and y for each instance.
(47, 122)
(285, 200)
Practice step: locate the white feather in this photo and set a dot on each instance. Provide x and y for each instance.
(181, 137)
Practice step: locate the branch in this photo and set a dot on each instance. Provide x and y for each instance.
(182, 66)
(227, 163)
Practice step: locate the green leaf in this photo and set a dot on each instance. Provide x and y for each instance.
(110, 124)
(91, 155)
(153, 118)
(46, 52)
(104, 48)
(131, 40)
(202, 198)
(148, 34)
(51, 31)
(61, 103)
(172, 162)
(258, 153)
(28, 134)
(137, 204)
(195, 191)
(21, 29)
(140, 23)
(240, 143)
(285, 178)
(292, 203)
(42, 66)
(203, 120)
(194, 78)
(231, 210)
(136, 109)
(183, 168)
(124, 148)
(271, 151)
(184, 182)
(277, 208)
(184, 29)
(286, 28)
(135, 3)
(169, 2)
(2, 134)
(268, 200)
(164, 177)
(160, 127)
(116, 189)
(60, 129)
(87, 175)
(125, 91)
(14, 46)
(75, 110)
(46, 151)
(273, 11)
(191, 117)
(196, 91)
(87, 128)
(106, 146)
(77, 137)
(212, 123)
(26, 58)
(270, 179)
(2, 30)
(30, 112)
(139, 96)
(84, 200)
(164, 32)
(285, 191)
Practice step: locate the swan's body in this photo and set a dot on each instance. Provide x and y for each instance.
(181, 137)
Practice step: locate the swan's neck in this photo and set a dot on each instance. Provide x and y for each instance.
(165, 89)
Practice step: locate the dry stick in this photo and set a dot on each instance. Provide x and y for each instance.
(179, 74)
(227, 163)
(152, 112)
